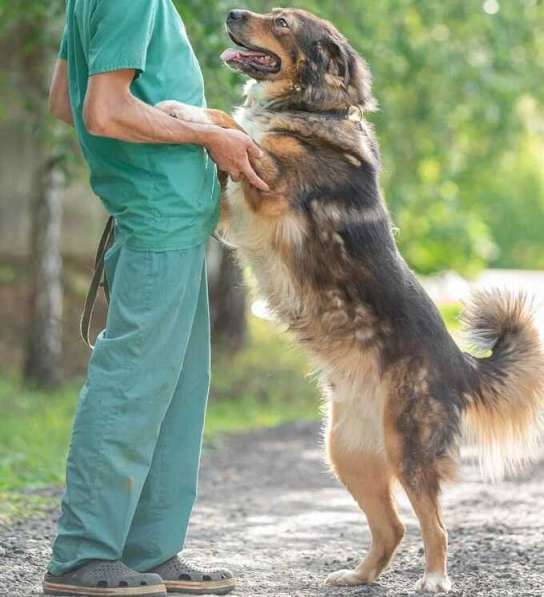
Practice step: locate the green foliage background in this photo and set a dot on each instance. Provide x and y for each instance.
(461, 125)
(461, 120)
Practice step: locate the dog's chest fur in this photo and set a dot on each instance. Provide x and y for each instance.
(254, 241)
(356, 404)
(254, 127)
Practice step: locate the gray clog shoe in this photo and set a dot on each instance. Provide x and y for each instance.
(100, 578)
(181, 576)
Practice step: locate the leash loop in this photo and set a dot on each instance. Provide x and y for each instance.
(98, 280)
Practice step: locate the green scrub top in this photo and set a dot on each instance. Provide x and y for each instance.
(162, 196)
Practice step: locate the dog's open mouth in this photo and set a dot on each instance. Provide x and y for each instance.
(246, 57)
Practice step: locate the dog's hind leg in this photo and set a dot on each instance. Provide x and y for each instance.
(419, 447)
(435, 538)
(369, 479)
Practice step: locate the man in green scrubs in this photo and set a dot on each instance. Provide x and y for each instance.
(133, 461)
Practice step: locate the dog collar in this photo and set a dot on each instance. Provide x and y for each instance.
(353, 114)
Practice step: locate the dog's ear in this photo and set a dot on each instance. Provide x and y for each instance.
(311, 67)
(361, 84)
(328, 56)
(338, 60)
(345, 63)
(333, 56)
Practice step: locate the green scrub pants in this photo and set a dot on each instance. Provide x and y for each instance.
(134, 456)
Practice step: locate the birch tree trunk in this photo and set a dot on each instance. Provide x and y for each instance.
(44, 341)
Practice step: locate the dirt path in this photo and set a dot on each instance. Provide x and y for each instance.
(269, 509)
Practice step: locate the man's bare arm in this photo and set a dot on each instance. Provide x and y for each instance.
(59, 96)
(111, 110)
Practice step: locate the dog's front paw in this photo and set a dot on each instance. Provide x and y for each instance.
(434, 583)
(345, 578)
(183, 111)
(171, 107)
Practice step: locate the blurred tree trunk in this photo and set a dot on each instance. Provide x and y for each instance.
(33, 57)
(44, 343)
(227, 298)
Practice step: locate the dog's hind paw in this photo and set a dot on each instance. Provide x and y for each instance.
(345, 578)
(434, 583)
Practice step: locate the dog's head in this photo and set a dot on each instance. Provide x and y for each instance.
(299, 59)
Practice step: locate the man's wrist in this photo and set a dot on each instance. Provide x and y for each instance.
(207, 135)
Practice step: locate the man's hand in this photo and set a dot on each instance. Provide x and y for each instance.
(232, 151)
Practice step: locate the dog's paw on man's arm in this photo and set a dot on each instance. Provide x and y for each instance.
(196, 114)
(183, 111)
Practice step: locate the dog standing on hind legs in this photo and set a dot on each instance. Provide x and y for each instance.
(320, 244)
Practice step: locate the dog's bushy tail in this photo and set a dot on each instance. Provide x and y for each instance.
(505, 406)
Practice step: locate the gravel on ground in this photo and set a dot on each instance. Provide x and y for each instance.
(270, 510)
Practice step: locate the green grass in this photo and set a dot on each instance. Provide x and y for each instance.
(264, 385)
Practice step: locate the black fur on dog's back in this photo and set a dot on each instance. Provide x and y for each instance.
(497, 397)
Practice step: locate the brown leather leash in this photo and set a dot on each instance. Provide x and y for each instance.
(98, 280)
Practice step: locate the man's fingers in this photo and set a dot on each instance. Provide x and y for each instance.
(254, 179)
(254, 150)
(235, 176)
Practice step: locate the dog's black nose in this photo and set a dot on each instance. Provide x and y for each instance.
(237, 16)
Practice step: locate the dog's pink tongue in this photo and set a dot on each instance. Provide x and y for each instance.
(237, 54)
(230, 54)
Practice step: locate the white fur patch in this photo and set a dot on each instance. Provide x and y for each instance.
(333, 213)
(254, 243)
(344, 578)
(358, 405)
(433, 582)
(292, 231)
(252, 126)
(254, 92)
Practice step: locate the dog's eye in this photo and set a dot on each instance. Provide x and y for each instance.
(281, 22)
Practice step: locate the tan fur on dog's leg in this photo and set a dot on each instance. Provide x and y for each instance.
(435, 538)
(222, 119)
(422, 486)
(369, 480)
